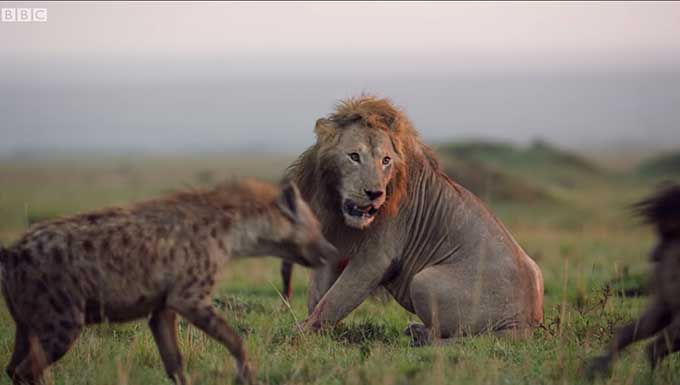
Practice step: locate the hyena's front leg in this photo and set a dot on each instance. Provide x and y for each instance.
(655, 318)
(205, 317)
(665, 343)
(163, 324)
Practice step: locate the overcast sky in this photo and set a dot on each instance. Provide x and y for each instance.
(527, 28)
(155, 76)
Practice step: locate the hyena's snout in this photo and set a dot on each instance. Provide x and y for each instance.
(320, 252)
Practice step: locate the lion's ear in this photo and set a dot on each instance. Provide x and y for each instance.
(394, 123)
(324, 129)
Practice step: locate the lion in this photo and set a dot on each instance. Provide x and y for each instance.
(403, 225)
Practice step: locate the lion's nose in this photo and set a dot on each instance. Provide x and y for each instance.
(373, 195)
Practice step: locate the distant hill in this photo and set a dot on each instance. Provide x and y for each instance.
(490, 184)
(498, 171)
(539, 163)
(664, 165)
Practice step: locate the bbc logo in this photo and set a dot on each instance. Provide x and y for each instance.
(23, 15)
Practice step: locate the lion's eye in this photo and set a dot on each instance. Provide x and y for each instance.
(386, 160)
(354, 156)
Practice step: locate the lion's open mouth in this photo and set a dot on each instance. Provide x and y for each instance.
(355, 210)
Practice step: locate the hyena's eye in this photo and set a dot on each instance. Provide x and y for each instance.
(386, 160)
(354, 156)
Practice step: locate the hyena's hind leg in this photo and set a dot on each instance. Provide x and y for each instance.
(202, 314)
(46, 344)
(163, 324)
(21, 349)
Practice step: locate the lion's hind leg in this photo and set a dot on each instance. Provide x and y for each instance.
(419, 334)
(453, 303)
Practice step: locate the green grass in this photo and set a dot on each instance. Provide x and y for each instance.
(585, 241)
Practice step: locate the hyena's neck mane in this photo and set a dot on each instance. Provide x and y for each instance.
(246, 198)
(236, 216)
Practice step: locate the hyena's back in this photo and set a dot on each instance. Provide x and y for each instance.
(118, 265)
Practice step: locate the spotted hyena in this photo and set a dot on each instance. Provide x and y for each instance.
(157, 258)
(661, 319)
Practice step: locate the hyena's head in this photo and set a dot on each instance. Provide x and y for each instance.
(298, 231)
(663, 211)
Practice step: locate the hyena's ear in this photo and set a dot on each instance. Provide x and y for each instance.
(288, 200)
(324, 129)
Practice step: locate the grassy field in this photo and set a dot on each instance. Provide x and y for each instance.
(583, 237)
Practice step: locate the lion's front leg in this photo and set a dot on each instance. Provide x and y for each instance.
(354, 285)
(321, 280)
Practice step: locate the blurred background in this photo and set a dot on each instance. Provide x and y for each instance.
(241, 76)
(558, 115)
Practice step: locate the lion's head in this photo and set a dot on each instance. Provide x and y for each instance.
(359, 168)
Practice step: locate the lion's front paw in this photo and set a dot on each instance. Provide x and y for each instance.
(306, 326)
(298, 327)
(314, 325)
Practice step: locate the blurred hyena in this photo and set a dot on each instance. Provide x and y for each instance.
(156, 258)
(662, 316)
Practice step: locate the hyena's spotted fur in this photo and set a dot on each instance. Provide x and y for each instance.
(156, 258)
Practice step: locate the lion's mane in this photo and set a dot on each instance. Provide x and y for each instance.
(315, 174)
